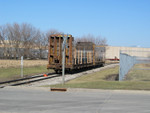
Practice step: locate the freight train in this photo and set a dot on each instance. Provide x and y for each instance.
(77, 55)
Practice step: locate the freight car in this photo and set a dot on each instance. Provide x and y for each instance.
(77, 56)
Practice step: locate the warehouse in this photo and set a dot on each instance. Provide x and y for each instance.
(112, 52)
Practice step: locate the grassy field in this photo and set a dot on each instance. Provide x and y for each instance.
(140, 72)
(10, 69)
(26, 63)
(98, 81)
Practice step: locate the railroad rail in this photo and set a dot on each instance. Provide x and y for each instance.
(27, 80)
(36, 78)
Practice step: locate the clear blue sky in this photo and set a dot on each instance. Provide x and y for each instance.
(122, 22)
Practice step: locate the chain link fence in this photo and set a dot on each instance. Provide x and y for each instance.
(134, 65)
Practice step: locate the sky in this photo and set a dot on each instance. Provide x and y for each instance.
(121, 22)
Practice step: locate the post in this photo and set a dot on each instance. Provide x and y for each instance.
(63, 66)
(63, 58)
(21, 66)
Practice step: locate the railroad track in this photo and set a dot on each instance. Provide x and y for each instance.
(27, 80)
(32, 79)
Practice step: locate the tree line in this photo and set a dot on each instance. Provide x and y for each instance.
(18, 40)
(24, 39)
(91, 38)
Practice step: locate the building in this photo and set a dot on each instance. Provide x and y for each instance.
(113, 52)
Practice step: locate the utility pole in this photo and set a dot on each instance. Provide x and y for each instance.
(21, 66)
(64, 45)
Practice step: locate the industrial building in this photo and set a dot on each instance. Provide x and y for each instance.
(113, 52)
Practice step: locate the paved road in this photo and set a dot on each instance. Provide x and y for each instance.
(41, 100)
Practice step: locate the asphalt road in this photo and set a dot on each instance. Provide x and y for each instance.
(41, 100)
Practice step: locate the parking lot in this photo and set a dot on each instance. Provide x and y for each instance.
(42, 100)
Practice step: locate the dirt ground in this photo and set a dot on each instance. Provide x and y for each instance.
(113, 77)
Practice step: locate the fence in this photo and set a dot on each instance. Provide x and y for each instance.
(134, 65)
(14, 69)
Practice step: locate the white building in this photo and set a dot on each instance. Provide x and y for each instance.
(113, 52)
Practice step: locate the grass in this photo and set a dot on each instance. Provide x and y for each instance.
(127, 85)
(10, 69)
(26, 63)
(140, 72)
(109, 85)
(13, 73)
(98, 81)
(97, 76)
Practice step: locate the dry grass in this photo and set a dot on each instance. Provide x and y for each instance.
(140, 72)
(142, 66)
(10, 69)
(26, 63)
(97, 81)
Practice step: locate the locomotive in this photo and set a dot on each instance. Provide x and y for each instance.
(77, 55)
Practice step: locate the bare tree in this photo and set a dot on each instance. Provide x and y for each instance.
(101, 41)
(29, 34)
(14, 39)
(9, 40)
(90, 38)
(17, 39)
(23, 39)
(3, 46)
(53, 31)
(40, 42)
